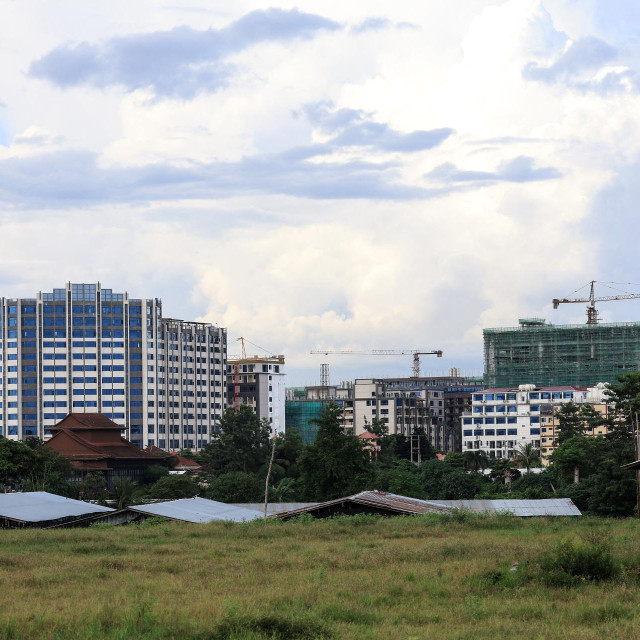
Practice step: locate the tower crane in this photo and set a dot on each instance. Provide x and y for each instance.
(416, 353)
(592, 312)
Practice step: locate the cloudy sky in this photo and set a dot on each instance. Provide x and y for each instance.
(320, 173)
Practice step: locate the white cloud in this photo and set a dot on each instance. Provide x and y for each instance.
(204, 202)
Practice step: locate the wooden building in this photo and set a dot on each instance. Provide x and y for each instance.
(93, 443)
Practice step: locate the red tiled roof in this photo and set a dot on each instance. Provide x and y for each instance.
(367, 435)
(85, 421)
(187, 462)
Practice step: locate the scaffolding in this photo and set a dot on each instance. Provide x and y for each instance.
(545, 355)
(299, 415)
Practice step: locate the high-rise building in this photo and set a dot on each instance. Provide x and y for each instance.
(84, 348)
(579, 355)
(259, 383)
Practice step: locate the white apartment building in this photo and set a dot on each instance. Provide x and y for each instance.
(502, 419)
(87, 349)
(260, 383)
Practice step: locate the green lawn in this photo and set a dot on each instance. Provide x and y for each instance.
(421, 577)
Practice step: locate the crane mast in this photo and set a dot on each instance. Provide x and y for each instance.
(592, 312)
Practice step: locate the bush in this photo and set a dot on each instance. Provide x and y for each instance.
(575, 561)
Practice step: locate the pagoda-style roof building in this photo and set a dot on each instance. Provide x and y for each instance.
(93, 443)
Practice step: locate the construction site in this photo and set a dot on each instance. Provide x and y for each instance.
(579, 355)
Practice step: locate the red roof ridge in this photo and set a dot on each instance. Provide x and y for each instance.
(368, 435)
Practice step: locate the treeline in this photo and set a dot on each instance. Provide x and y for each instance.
(583, 467)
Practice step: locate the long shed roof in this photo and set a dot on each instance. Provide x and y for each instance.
(197, 510)
(390, 503)
(40, 506)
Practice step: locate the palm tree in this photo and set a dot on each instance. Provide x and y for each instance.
(476, 460)
(527, 456)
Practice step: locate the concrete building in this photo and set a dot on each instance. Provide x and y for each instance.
(259, 383)
(84, 348)
(402, 409)
(578, 355)
(503, 419)
(457, 391)
(550, 426)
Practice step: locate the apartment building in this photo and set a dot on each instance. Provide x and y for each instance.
(502, 419)
(85, 348)
(259, 383)
(402, 409)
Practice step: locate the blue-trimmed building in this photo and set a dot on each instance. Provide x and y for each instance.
(503, 419)
(84, 348)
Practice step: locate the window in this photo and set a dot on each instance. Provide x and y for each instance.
(512, 432)
(467, 432)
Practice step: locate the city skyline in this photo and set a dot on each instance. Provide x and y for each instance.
(321, 174)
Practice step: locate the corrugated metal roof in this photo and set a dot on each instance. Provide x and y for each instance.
(40, 506)
(378, 500)
(521, 508)
(197, 510)
(402, 504)
(274, 507)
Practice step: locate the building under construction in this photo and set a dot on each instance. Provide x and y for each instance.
(258, 381)
(544, 354)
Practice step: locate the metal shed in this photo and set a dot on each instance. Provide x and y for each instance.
(197, 510)
(520, 508)
(42, 509)
(389, 504)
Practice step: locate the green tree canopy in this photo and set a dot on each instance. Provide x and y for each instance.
(242, 444)
(174, 487)
(336, 464)
(235, 486)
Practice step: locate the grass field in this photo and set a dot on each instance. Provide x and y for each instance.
(405, 578)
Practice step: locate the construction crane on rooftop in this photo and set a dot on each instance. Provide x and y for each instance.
(416, 353)
(592, 312)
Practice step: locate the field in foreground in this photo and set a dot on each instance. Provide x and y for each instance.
(403, 578)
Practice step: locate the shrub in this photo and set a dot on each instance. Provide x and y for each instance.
(574, 561)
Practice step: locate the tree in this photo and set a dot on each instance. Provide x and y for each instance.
(377, 426)
(242, 444)
(527, 456)
(457, 459)
(570, 422)
(174, 487)
(336, 464)
(123, 492)
(236, 486)
(15, 458)
(93, 487)
(441, 481)
(47, 470)
(476, 460)
(153, 473)
(581, 456)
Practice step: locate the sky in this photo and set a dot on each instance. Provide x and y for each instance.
(322, 174)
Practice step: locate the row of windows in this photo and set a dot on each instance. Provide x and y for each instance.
(496, 432)
(510, 420)
(537, 395)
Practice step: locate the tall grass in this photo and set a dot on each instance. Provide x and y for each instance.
(421, 577)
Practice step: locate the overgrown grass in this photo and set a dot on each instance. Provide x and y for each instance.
(355, 578)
